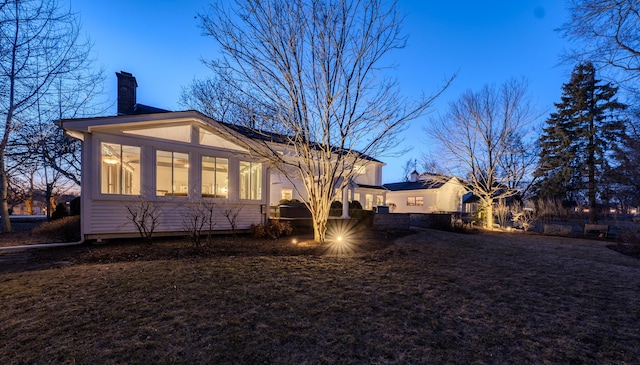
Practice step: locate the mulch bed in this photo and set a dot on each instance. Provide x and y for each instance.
(172, 248)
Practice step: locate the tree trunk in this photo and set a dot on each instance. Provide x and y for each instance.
(489, 212)
(591, 166)
(28, 204)
(319, 216)
(593, 213)
(4, 204)
(319, 230)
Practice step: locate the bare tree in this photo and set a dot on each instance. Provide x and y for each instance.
(213, 97)
(608, 32)
(482, 134)
(408, 168)
(315, 68)
(42, 57)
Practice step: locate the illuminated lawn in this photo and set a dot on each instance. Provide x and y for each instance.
(433, 297)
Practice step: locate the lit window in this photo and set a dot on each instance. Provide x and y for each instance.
(120, 169)
(215, 177)
(368, 201)
(286, 194)
(415, 201)
(172, 173)
(379, 200)
(250, 180)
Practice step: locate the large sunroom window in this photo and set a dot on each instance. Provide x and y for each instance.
(172, 173)
(120, 169)
(250, 180)
(215, 177)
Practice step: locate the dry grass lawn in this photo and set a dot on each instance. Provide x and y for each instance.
(431, 297)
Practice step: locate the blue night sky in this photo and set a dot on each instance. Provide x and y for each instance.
(485, 42)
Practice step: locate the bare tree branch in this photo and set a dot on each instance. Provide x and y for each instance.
(44, 66)
(315, 69)
(483, 135)
(608, 34)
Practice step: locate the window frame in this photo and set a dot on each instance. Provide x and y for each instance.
(252, 183)
(173, 193)
(215, 194)
(412, 201)
(122, 175)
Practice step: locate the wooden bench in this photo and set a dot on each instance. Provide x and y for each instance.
(602, 229)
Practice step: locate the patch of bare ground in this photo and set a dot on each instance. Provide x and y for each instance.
(431, 297)
(20, 238)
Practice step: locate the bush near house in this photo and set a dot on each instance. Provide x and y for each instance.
(60, 212)
(355, 205)
(272, 230)
(65, 229)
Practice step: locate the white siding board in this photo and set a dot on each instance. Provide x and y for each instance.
(113, 216)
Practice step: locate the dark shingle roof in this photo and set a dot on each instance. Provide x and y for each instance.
(261, 135)
(414, 185)
(377, 187)
(146, 109)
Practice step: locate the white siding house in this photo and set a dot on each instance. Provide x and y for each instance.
(174, 160)
(426, 194)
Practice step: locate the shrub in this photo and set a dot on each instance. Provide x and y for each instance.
(336, 209)
(336, 205)
(231, 214)
(199, 218)
(60, 212)
(145, 216)
(355, 205)
(66, 229)
(629, 233)
(288, 201)
(524, 218)
(274, 229)
(74, 206)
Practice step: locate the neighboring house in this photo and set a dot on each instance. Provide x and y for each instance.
(174, 160)
(426, 193)
(366, 189)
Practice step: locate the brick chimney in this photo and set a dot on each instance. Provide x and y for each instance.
(126, 93)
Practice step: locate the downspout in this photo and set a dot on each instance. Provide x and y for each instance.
(43, 245)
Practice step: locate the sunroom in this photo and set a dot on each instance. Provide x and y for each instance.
(170, 160)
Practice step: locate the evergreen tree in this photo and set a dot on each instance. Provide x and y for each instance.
(578, 139)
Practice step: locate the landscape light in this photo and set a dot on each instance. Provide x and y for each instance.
(340, 236)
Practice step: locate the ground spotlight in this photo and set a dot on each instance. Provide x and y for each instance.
(340, 236)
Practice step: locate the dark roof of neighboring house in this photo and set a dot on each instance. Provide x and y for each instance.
(415, 185)
(378, 187)
(146, 109)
